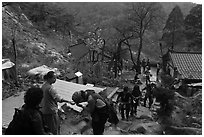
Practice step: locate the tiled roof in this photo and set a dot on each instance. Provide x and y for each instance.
(189, 65)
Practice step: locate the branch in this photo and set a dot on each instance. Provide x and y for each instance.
(127, 43)
(148, 21)
(146, 25)
(118, 53)
(118, 30)
(4, 4)
(126, 38)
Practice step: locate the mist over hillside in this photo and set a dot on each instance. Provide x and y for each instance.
(185, 6)
(118, 6)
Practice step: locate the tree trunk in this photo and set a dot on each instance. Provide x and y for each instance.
(15, 57)
(139, 50)
(131, 56)
(160, 45)
(102, 59)
(97, 56)
(173, 37)
(93, 56)
(141, 41)
(118, 57)
(115, 65)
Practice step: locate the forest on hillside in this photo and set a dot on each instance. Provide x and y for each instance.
(78, 20)
(122, 33)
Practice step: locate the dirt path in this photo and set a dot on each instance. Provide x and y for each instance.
(143, 123)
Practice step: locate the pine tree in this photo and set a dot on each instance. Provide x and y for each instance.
(193, 26)
(173, 31)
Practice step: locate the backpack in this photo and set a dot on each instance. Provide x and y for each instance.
(111, 112)
(20, 125)
(112, 115)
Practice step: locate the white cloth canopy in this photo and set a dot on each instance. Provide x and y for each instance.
(6, 63)
(42, 70)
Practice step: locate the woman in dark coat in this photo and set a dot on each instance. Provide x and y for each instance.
(136, 95)
(28, 119)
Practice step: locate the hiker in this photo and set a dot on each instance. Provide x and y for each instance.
(148, 64)
(175, 75)
(168, 72)
(158, 69)
(124, 99)
(136, 76)
(97, 107)
(148, 95)
(136, 94)
(28, 119)
(49, 103)
(147, 75)
(143, 65)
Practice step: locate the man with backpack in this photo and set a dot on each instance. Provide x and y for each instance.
(124, 99)
(28, 120)
(97, 107)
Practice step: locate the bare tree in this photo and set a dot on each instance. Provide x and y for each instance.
(144, 16)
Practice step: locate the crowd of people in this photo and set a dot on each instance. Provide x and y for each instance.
(41, 106)
(128, 100)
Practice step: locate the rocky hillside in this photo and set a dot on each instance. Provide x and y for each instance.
(33, 48)
(28, 39)
(186, 118)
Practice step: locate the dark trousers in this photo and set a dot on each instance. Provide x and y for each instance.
(158, 74)
(150, 101)
(143, 68)
(158, 71)
(134, 107)
(126, 108)
(52, 121)
(98, 127)
(99, 118)
(147, 80)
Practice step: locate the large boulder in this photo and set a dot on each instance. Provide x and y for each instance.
(147, 117)
(183, 130)
(112, 131)
(141, 129)
(148, 128)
